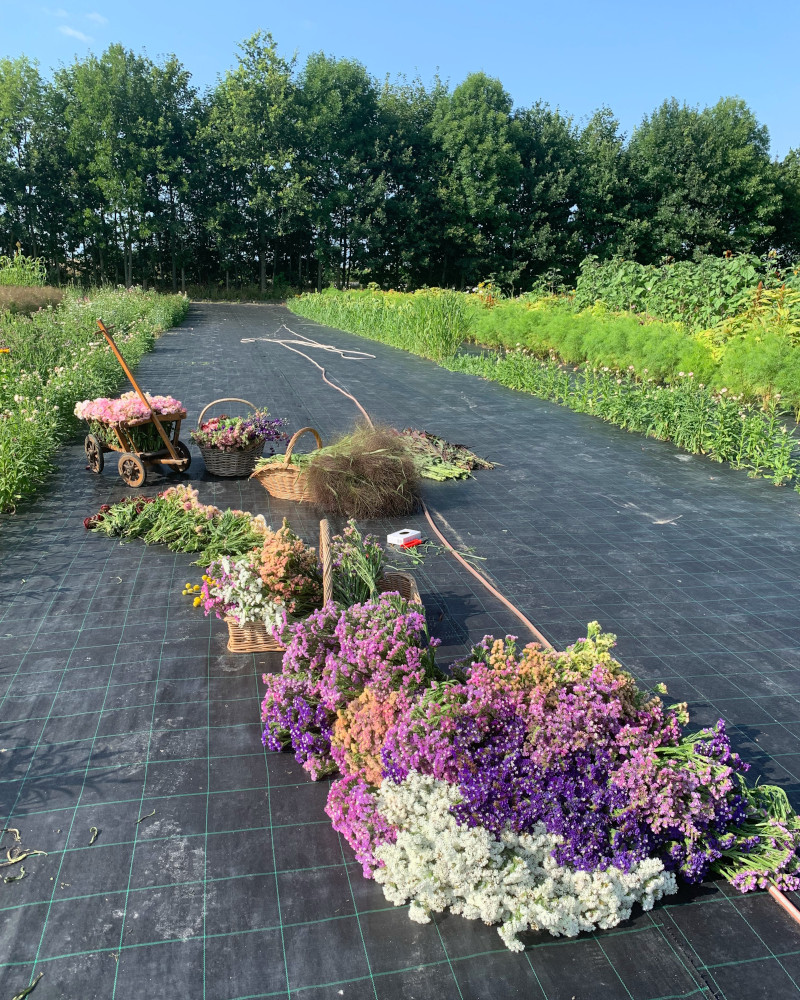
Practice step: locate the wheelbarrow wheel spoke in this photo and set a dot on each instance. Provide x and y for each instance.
(94, 453)
(132, 470)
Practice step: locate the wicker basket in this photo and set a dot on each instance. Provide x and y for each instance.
(285, 481)
(252, 637)
(230, 463)
(404, 583)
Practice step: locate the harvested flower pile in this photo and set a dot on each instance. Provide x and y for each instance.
(534, 789)
(176, 518)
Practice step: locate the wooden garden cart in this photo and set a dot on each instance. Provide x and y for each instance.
(120, 437)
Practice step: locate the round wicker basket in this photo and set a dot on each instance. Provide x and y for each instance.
(230, 463)
(285, 481)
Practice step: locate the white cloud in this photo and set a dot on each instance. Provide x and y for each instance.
(97, 18)
(73, 33)
(58, 12)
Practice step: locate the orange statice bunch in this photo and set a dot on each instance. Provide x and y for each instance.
(360, 730)
(288, 568)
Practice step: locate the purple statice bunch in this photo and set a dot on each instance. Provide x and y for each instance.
(503, 787)
(423, 739)
(353, 811)
(330, 657)
(692, 796)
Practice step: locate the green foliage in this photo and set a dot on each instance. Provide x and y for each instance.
(432, 322)
(115, 169)
(703, 181)
(690, 415)
(55, 359)
(595, 336)
(698, 293)
(27, 272)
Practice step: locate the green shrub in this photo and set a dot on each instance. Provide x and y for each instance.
(697, 294)
(595, 336)
(23, 271)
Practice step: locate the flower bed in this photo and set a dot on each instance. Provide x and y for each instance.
(55, 359)
(533, 789)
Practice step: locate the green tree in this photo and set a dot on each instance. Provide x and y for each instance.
(603, 209)
(21, 112)
(406, 243)
(543, 237)
(345, 179)
(704, 179)
(252, 135)
(480, 171)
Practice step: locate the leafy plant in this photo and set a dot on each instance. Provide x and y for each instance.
(20, 270)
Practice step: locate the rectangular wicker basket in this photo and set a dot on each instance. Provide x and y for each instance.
(252, 637)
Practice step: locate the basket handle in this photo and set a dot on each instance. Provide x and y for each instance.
(326, 558)
(225, 399)
(293, 441)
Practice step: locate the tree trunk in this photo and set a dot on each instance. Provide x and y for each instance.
(183, 279)
(319, 274)
(262, 267)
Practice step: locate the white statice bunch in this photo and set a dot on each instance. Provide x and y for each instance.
(241, 588)
(514, 881)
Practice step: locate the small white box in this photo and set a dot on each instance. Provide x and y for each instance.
(403, 535)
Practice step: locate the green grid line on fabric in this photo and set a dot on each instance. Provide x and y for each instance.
(75, 812)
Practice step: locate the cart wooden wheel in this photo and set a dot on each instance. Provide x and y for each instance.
(132, 469)
(94, 453)
(184, 454)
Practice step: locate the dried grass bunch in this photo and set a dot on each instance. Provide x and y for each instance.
(368, 473)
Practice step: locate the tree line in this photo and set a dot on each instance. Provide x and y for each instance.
(117, 169)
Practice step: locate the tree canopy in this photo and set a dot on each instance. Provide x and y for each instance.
(115, 169)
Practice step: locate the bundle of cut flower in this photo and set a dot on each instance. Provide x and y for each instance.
(533, 789)
(279, 578)
(126, 407)
(177, 518)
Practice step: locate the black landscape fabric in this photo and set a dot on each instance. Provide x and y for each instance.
(182, 860)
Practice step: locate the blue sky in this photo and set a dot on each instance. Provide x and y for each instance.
(576, 56)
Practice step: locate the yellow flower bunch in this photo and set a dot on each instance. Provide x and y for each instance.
(193, 589)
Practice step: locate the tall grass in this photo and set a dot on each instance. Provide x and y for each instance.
(54, 359)
(689, 414)
(22, 270)
(432, 322)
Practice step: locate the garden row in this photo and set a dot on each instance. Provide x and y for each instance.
(731, 390)
(54, 358)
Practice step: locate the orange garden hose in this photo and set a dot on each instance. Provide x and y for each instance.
(776, 893)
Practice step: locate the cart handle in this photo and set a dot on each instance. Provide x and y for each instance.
(225, 399)
(163, 434)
